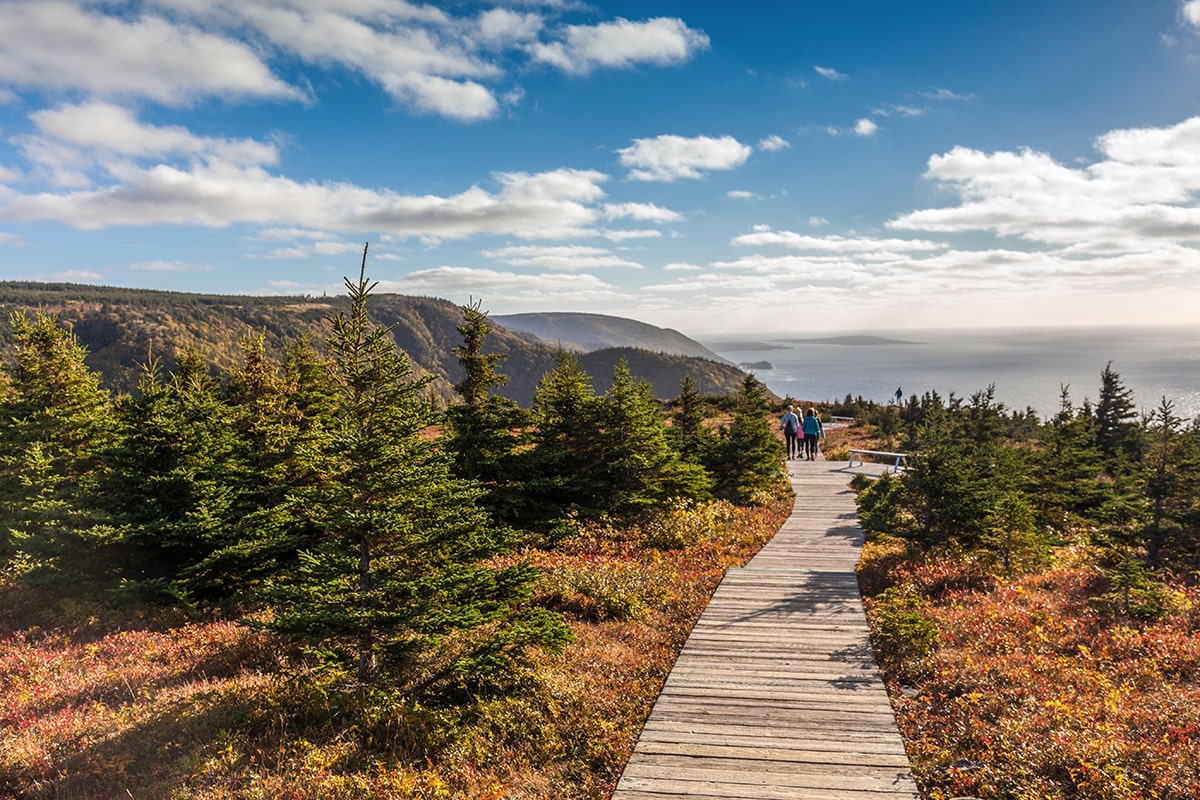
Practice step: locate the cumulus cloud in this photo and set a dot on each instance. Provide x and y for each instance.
(65, 276)
(553, 290)
(741, 194)
(100, 127)
(1141, 191)
(1191, 13)
(866, 127)
(621, 43)
(315, 249)
(668, 158)
(567, 257)
(161, 266)
(944, 95)
(643, 212)
(835, 244)
(831, 74)
(48, 44)
(426, 58)
(216, 193)
(503, 26)
(773, 143)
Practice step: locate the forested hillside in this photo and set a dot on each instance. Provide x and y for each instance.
(124, 328)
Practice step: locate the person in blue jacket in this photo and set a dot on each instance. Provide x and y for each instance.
(812, 429)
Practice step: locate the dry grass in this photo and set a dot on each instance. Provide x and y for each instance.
(115, 702)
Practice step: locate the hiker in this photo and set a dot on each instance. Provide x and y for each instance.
(791, 429)
(812, 429)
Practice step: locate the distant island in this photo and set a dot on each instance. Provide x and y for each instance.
(746, 347)
(851, 340)
(756, 365)
(751, 346)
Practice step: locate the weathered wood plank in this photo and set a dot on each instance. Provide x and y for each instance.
(776, 695)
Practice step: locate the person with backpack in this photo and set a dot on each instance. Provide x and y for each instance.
(792, 433)
(812, 429)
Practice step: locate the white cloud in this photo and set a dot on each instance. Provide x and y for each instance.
(1191, 12)
(817, 222)
(626, 235)
(773, 143)
(65, 276)
(644, 212)
(945, 95)
(831, 73)
(1141, 193)
(98, 127)
(899, 110)
(567, 257)
(739, 194)
(316, 249)
(216, 194)
(680, 266)
(161, 266)
(866, 127)
(111, 169)
(48, 44)
(661, 41)
(427, 66)
(500, 25)
(559, 291)
(178, 51)
(834, 244)
(669, 158)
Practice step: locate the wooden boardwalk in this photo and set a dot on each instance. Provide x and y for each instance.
(776, 694)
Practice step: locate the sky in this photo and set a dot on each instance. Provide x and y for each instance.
(714, 167)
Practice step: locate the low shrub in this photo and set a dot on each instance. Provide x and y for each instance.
(606, 590)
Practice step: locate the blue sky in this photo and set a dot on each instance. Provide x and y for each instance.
(709, 166)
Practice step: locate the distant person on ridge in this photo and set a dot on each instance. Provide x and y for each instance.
(791, 429)
(812, 429)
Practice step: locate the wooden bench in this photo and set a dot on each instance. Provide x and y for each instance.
(900, 458)
(844, 420)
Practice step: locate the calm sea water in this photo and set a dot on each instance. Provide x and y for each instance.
(1027, 366)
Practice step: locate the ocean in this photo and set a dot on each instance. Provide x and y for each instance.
(1027, 366)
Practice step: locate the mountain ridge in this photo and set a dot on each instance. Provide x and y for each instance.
(587, 332)
(124, 329)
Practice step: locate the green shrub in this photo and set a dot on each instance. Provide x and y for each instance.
(611, 590)
(860, 481)
(684, 524)
(902, 633)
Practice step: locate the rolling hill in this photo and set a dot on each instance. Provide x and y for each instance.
(124, 328)
(589, 332)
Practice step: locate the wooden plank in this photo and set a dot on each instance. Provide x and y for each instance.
(776, 695)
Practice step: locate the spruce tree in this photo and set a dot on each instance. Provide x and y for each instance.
(485, 429)
(564, 464)
(639, 468)
(747, 458)
(399, 567)
(175, 477)
(263, 534)
(1116, 429)
(55, 421)
(1067, 468)
(687, 432)
(1163, 481)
